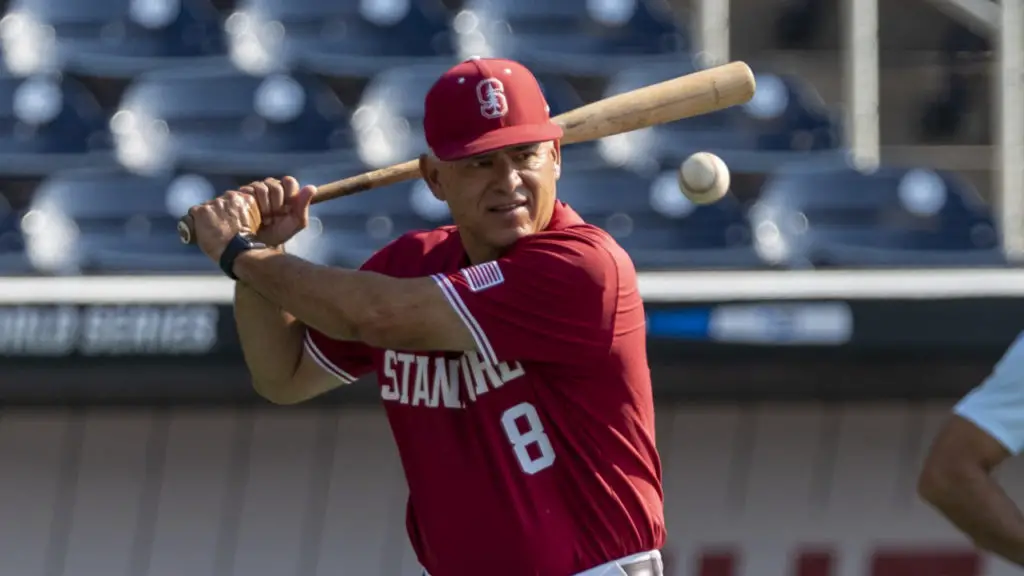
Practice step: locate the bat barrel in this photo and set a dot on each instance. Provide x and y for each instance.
(686, 96)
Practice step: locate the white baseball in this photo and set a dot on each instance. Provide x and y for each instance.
(704, 178)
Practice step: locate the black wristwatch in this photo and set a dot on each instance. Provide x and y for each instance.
(239, 244)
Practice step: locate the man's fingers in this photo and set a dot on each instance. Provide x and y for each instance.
(262, 195)
(200, 211)
(292, 196)
(277, 194)
(245, 208)
(291, 186)
(302, 200)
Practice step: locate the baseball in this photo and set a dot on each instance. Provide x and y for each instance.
(704, 178)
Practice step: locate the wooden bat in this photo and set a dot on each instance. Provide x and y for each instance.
(685, 96)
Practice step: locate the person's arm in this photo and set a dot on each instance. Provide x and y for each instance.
(986, 428)
(549, 300)
(957, 480)
(365, 306)
(283, 371)
(291, 362)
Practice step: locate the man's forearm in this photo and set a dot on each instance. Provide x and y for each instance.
(335, 301)
(977, 505)
(271, 340)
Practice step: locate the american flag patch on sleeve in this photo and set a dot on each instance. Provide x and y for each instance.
(483, 276)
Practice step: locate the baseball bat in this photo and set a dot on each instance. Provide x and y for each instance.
(685, 96)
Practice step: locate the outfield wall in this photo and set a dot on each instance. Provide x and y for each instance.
(809, 490)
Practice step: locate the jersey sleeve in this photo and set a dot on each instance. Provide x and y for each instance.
(346, 360)
(996, 406)
(550, 300)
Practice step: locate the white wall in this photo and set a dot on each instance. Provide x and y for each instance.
(286, 492)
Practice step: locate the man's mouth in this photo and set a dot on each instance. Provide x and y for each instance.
(508, 207)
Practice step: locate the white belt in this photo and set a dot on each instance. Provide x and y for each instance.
(613, 568)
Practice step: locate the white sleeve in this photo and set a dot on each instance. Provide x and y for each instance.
(997, 404)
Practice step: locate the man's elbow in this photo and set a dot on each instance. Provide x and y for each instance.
(283, 388)
(935, 482)
(279, 393)
(943, 480)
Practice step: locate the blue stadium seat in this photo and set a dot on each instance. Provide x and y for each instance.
(48, 123)
(100, 221)
(388, 123)
(346, 231)
(338, 38)
(578, 37)
(13, 259)
(109, 38)
(583, 156)
(218, 119)
(655, 223)
(825, 215)
(785, 121)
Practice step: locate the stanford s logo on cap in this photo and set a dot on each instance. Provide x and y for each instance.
(505, 107)
(490, 92)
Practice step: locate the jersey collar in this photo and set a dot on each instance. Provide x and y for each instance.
(563, 216)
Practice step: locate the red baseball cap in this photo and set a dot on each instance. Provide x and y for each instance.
(484, 104)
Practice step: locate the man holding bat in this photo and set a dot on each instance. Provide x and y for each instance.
(510, 348)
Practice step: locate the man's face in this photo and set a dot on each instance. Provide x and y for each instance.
(499, 197)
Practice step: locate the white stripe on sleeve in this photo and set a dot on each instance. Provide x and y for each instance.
(325, 362)
(452, 295)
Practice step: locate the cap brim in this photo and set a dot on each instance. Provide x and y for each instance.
(501, 138)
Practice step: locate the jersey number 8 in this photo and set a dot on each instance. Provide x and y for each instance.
(533, 435)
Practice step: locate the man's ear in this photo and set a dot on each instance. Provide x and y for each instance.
(431, 174)
(557, 151)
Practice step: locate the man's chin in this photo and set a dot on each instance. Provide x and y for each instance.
(506, 238)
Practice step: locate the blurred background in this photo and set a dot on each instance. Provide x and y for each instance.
(808, 334)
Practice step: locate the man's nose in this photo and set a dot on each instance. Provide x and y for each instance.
(508, 173)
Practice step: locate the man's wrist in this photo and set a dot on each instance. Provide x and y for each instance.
(238, 248)
(246, 260)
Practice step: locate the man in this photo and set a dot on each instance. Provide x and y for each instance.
(985, 429)
(510, 347)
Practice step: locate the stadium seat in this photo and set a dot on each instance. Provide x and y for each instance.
(101, 221)
(48, 123)
(388, 123)
(785, 121)
(13, 259)
(338, 38)
(345, 232)
(578, 37)
(218, 119)
(824, 215)
(109, 38)
(655, 223)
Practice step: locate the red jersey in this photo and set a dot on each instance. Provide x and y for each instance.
(536, 454)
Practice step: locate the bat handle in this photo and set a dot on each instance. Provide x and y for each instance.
(187, 229)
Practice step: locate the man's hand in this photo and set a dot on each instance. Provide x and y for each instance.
(273, 211)
(284, 207)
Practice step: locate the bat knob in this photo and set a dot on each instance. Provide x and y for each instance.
(187, 230)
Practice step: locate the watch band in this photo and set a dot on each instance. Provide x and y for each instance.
(239, 244)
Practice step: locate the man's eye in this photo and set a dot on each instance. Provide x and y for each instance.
(531, 158)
